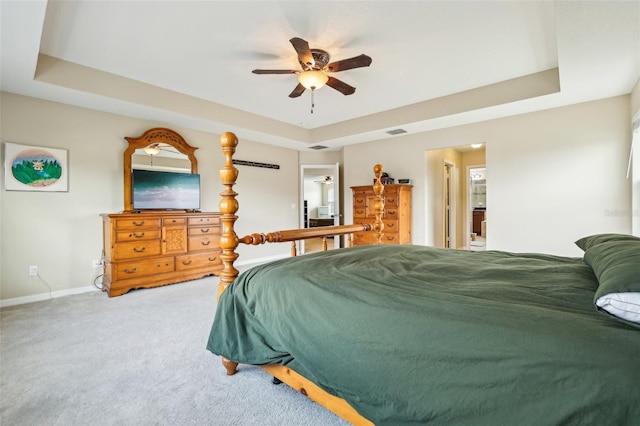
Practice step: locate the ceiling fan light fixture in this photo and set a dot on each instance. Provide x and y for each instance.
(151, 149)
(312, 79)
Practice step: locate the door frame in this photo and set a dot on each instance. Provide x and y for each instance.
(449, 204)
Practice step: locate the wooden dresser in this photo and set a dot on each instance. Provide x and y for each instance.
(397, 213)
(143, 250)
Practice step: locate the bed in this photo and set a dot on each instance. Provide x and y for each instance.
(398, 335)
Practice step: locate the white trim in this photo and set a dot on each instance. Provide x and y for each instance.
(635, 130)
(45, 296)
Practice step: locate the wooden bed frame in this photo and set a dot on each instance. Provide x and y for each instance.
(229, 241)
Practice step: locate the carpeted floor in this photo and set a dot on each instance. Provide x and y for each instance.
(137, 359)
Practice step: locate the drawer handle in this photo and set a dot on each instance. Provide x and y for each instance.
(138, 223)
(136, 235)
(186, 263)
(392, 212)
(137, 250)
(132, 271)
(173, 220)
(204, 231)
(390, 225)
(389, 238)
(359, 211)
(211, 260)
(206, 243)
(391, 200)
(359, 201)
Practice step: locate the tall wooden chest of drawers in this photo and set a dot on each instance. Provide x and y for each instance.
(143, 250)
(396, 218)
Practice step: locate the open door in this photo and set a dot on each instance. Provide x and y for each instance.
(319, 200)
(449, 205)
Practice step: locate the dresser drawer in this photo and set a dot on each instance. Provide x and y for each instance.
(141, 268)
(204, 221)
(204, 242)
(196, 261)
(390, 200)
(390, 226)
(135, 249)
(137, 235)
(391, 213)
(141, 223)
(360, 211)
(174, 221)
(204, 230)
(359, 201)
(364, 238)
(390, 238)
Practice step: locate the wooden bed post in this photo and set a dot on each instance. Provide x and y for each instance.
(228, 239)
(228, 207)
(378, 204)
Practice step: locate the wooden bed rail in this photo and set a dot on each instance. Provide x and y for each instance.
(229, 240)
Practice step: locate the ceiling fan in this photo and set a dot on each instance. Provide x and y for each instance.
(328, 180)
(315, 67)
(155, 148)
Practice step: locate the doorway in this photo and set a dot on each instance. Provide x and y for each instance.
(447, 202)
(477, 185)
(319, 202)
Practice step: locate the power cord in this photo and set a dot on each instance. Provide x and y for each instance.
(95, 279)
(95, 284)
(47, 283)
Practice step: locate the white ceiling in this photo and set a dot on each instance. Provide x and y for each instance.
(435, 63)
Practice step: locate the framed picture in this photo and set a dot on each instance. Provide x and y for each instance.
(35, 168)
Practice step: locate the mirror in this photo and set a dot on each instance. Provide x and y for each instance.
(157, 149)
(319, 199)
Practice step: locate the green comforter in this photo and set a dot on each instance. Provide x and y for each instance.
(413, 334)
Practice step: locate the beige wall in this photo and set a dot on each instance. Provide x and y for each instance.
(61, 232)
(554, 176)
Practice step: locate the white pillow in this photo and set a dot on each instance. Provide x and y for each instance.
(623, 305)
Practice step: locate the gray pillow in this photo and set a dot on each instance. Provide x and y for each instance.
(616, 264)
(587, 242)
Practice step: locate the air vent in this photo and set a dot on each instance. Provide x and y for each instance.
(396, 131)
(316, 147)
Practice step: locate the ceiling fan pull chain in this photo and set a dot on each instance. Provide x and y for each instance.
(312, 102)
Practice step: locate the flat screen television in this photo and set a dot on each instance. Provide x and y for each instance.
(165, 190)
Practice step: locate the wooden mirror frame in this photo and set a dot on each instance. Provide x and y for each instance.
(151, 136)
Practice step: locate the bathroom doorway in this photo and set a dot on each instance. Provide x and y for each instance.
(476, 178)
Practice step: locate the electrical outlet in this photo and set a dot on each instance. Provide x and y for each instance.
(97, 263)
(33, 270)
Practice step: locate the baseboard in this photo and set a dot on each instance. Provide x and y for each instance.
(45, 296)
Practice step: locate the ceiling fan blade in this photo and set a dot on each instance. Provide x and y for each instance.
(347, 64)
(304, 53)
(274, 71)
(341, 86)
(297, 91)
